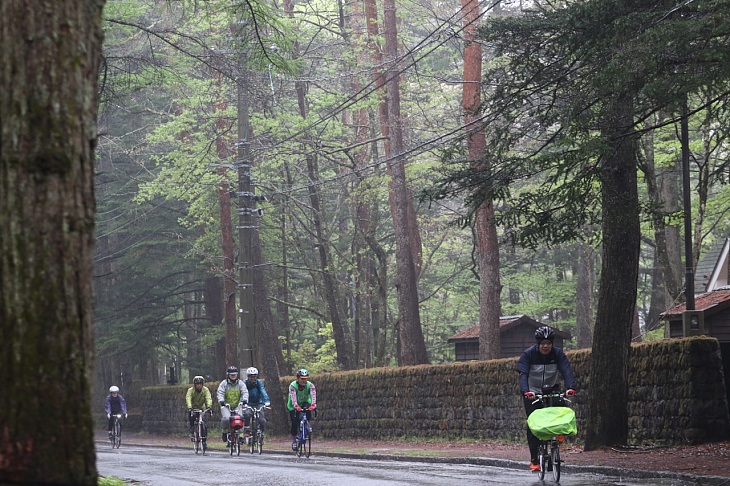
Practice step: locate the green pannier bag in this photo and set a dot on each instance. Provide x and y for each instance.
(548, 422)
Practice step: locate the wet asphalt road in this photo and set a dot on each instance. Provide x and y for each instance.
(177, 467)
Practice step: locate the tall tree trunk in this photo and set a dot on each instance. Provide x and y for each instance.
(339, 326)
(490, 288)
(410, 335)
(376, 57)
(607, 419)
(213, 302)
(662, 188)
(229, 272)
(703, 185)
(584, 295)
(48, 104)
(268, 339)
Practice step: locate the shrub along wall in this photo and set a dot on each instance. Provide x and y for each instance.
(677, 395)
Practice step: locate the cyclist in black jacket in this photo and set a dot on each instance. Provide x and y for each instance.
(538, 367)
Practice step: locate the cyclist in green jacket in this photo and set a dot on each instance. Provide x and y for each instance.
(302, 397)
(198, 398)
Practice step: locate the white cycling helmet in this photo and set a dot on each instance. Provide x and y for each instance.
(252, 371)
(114, 389)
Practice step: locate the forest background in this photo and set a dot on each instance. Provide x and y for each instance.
(178, 81)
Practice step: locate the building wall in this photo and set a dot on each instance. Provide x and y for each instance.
(717, 325)
(677, 396)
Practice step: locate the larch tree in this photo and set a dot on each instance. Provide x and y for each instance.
(411, 345)
(486, 233)
(48, 105)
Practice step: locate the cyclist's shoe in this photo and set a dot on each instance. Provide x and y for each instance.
(224, 436)
(110, 433)
(534, 467)
(247, 432)
(261, 438)
(294, 444)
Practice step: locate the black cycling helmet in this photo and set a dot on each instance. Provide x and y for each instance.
(302, 372)
(544, 332)
(198, 380)
(231, 370)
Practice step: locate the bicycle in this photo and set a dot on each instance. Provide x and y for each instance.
(116, 436)
(304, 437)
(256, 441)
(235, 439)
(200, 431)
(548, 451)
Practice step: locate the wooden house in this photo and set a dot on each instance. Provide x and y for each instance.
(711, 315)
(516, 333)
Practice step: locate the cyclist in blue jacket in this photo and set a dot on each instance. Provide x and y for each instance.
(257, 396)
(538, 367)
(114, 405)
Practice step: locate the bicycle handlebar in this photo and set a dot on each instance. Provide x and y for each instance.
(539, 397)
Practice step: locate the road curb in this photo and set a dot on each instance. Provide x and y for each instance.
(487, 461)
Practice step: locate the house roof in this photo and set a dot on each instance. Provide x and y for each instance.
(505, 323)
(707, 265)
(710, 303)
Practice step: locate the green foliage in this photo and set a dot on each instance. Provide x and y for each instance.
(111, 481)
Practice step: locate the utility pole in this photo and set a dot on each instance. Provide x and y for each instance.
(247, 333)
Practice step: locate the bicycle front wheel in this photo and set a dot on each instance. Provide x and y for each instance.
(543, 457)
(196, 438)
(308, 442)
(259, 441)
(117, 434)
(300, 442)
(555, 459)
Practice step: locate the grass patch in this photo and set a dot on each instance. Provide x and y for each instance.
(111, 481)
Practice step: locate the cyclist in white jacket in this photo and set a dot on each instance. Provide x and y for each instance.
(233, 392)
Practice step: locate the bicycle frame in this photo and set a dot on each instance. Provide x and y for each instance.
(255, 442)
(234, 435)
(198, 428)
(116, 437)
(549, 450)
(304, 438)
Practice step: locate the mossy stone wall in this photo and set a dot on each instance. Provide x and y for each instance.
(677, 395)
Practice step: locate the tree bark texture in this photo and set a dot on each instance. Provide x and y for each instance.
(662, 188)
(490, 287)
(48, 104)
(268, 340)
(607, 416)
(584, 295)
(412, 346)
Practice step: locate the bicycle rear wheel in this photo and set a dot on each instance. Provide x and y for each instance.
(555, 459)
(543, 458)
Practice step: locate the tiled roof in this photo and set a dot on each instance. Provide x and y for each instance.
(703, 302)
(707, 265)
(473, 332)
(505, 322)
